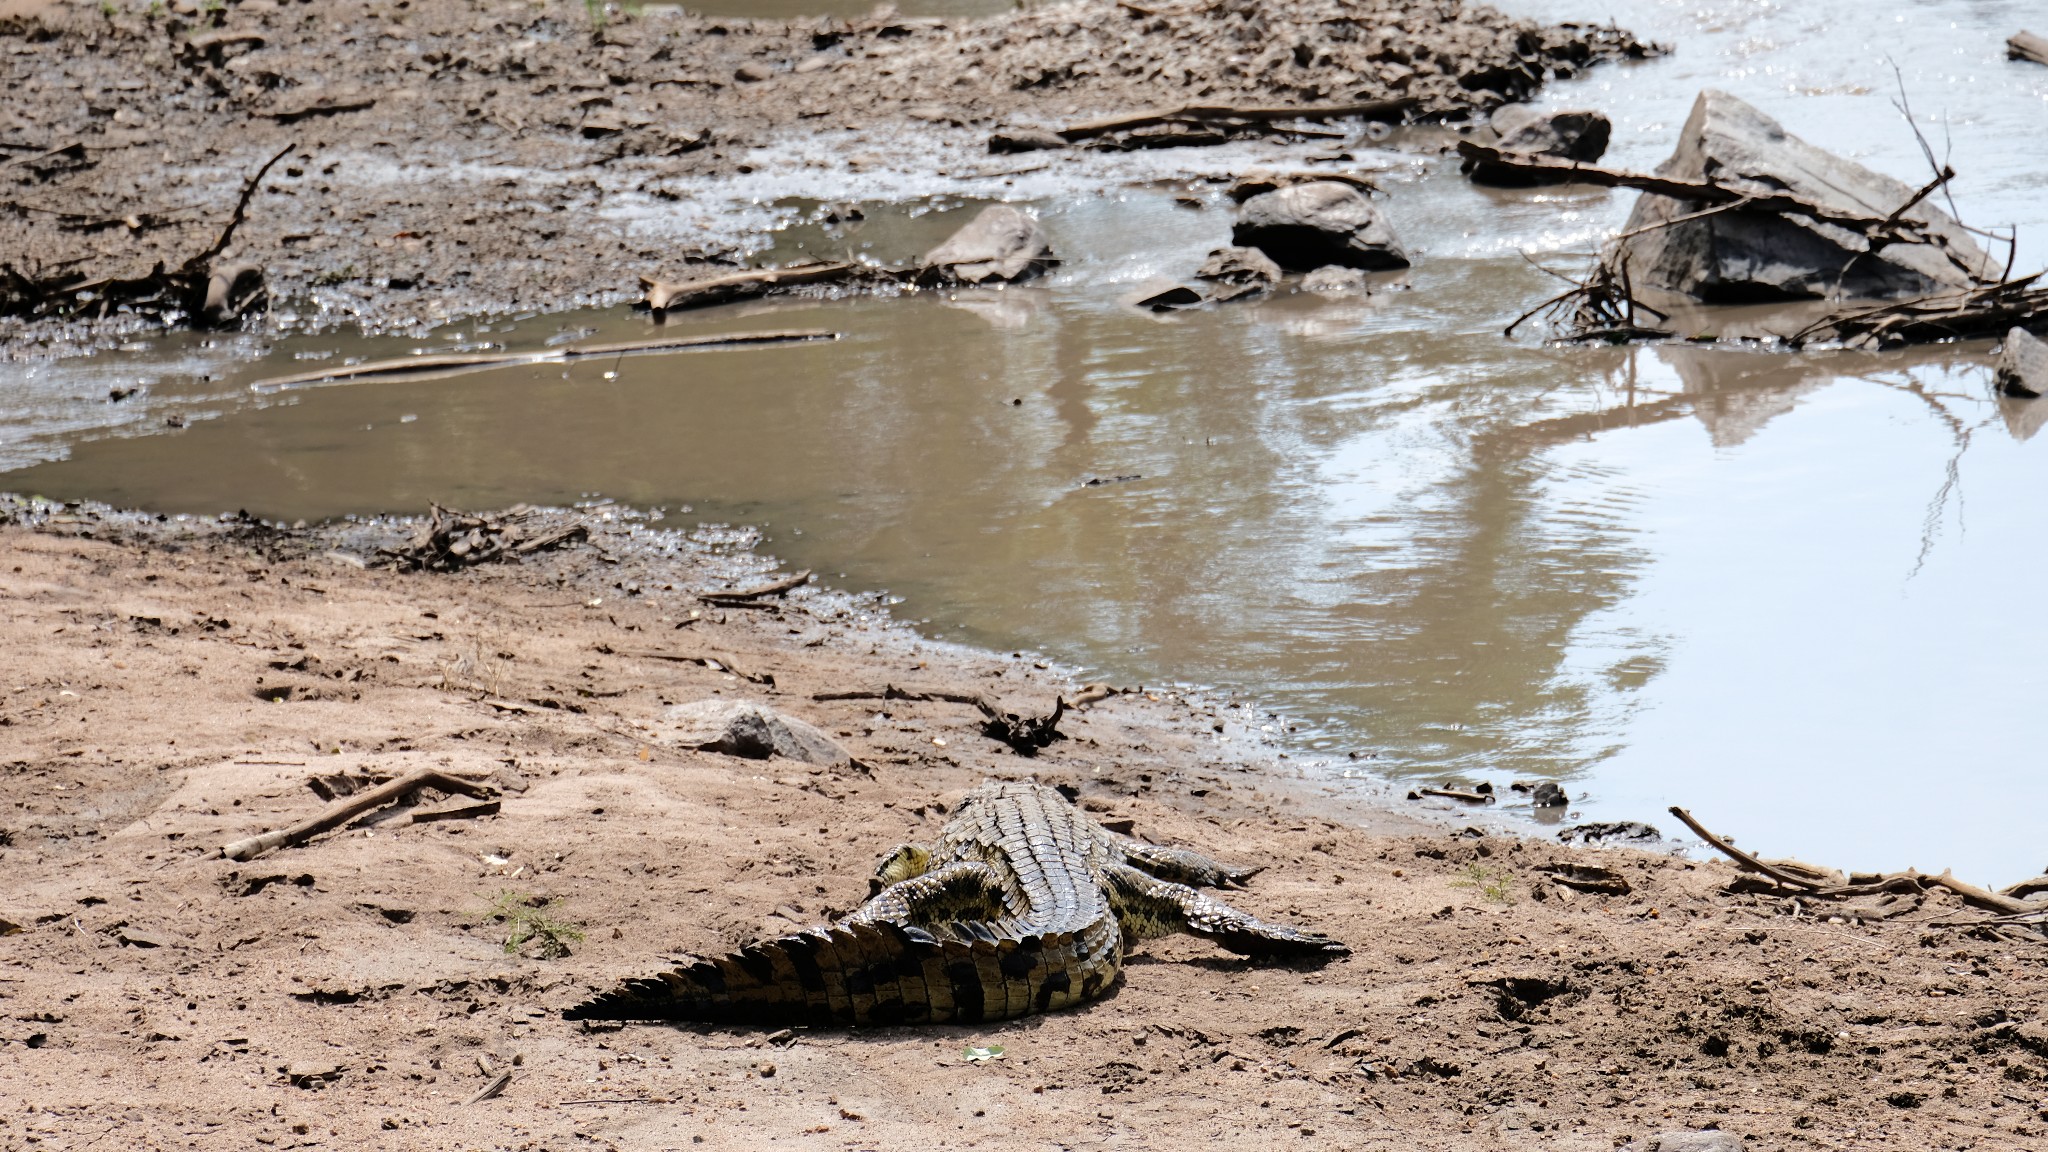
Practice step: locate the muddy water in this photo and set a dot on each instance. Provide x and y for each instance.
(1787, 591)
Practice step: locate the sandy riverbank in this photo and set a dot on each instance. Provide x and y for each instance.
(170, 687)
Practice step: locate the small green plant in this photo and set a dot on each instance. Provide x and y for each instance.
(597, 13)
(1495, 887)
(107, 9)
(530, 919)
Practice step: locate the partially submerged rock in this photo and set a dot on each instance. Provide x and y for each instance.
(1579, 135)
(1333, 280)
(1305, 226)
(2022, 370)
(748, 730)
(1004, 243)
(1735, 256)
(1238, 272)
(1228, 274)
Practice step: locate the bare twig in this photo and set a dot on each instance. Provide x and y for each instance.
(460, 362)
(348, 809)
(773, 588)
(1740, 857)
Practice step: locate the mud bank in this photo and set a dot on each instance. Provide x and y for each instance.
(172, 687)
(455, 158)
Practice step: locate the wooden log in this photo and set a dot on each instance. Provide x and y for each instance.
(664, 296)
(773, 588)
(2027, 46)
(1739, 856)
(457, 362)
(1891, 229)
(348, 809)
(1369, 110)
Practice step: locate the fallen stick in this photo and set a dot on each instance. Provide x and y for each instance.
(1887, 228)
(1457, 794)
(456, 362)
(496, 1085)
(666, 296)
(1740, 857)
(348, 809)
(1370, 110)
(1982, 898)
(773, 588)
(2027, 46)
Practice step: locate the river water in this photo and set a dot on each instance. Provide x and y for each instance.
(1791, 592)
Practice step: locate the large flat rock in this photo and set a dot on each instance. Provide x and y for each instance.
(1748, 257)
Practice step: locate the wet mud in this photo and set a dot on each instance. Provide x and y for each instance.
(454, 158)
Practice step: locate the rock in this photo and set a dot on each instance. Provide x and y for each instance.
(2022, 370)
(1228, 274)
(2027, 46)
(748, 730)
(232, 290)
(1619, 831)
(1305, 226)
(1178, 296)
(1683, 1141)
(1239, 266)
(1579, 134)
(753, 72)
(1259, 181)
(1747, 257)
(1333, 280)
(1549, 795)
(1025, 140)
(1003, 243)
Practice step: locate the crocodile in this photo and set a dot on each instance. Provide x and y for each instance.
(1022, 905)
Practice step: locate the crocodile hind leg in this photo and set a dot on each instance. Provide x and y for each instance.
(953, 893)
(1148, 908)
(1179, 865)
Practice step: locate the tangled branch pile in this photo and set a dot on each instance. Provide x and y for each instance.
(201, 286)
(448, 540)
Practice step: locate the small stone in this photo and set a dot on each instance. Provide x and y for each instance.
(1333, 280)
(753, 72)
(2022, 369)
(1306, 226)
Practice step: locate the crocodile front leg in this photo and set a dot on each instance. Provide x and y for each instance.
(950, 894)
(1148, 908)
(1180, 865)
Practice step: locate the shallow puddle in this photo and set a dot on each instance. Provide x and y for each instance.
(1788, 592)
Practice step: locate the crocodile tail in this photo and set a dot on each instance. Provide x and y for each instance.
(856, 974)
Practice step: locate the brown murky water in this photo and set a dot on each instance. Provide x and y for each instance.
(1788, 591)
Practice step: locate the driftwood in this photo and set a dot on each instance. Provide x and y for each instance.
(1453, 794)
(1881, 230)
(465, 361)
(665, 296)
(1909, 882)
(185, 289)
(1212, 113)
(1984, 312)
(449, 540)
(744, 596)
(1025, 735)
(344, 811)
(2027, 46)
